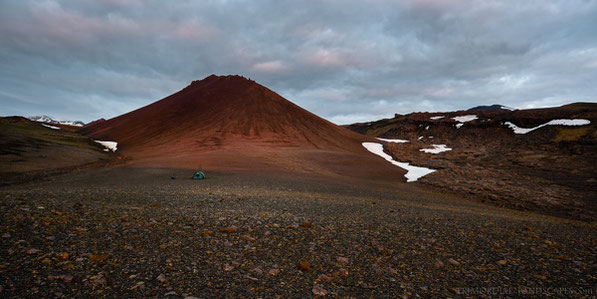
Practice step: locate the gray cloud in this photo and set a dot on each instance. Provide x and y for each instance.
(347, 61)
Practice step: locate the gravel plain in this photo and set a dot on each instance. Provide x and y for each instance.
(138, 233)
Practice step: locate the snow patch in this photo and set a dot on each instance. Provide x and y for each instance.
(51, 127)
(420, 137)
(465, 118)
(427, 128)
(393, 140)
(437, 148)
(47, 119)
(437, 117)
(109, 145)
(555, 122)
(413, 172)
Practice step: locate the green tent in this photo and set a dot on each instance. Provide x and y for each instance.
(198, 175)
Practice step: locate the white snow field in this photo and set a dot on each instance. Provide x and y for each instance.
(437, 148)
(464, 119)
(109, 145)
(554, 122)
(51, 127)
(393, 140)
(413, 172)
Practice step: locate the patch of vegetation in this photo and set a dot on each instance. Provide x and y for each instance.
(17, 128)
(380, 127)
(571, 134)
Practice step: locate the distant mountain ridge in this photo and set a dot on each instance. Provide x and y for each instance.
(48, 119)
(494, 107)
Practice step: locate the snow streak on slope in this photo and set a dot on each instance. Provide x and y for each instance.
(393, 140)
(110, 145)
(437, 148)
(51, 127)
(463, 119)
(555, 122)
(413, 172)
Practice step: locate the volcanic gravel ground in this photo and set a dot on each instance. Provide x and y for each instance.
(137, 233)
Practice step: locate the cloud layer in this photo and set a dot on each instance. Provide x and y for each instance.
(347, 61)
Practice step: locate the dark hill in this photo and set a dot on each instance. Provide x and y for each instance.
(232, 123)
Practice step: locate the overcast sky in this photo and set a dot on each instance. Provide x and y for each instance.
(344, 60)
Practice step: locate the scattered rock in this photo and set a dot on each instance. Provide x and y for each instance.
(453, 262)
(392, 270)
(306, 224)
(502, 262)
(319, 291)
(98, 279)
(161, 278)
(274, 272)
(229, 229)
(304, 266)
(33, 251)
(342, 260)
(98, 258)
(66, 278)
(248, 238)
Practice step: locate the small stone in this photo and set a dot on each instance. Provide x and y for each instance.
(502, 262)
(319, 291)
(342, 260)
(306, 224)
(392, 270)
(324, 278)
(305, 266)
(98, 279)
(98, 258)
(228, 267)
(33, 251)
(343, 272)
(274, 272)
(453, 262)
(161, 278)
(229, 229)
(248, 238)
(66, 278)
